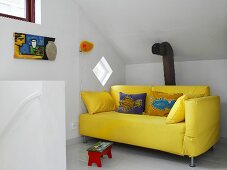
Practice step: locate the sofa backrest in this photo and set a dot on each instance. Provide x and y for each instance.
(128, 89)
(195, 90)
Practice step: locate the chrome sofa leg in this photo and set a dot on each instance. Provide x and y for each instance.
(192, 163)
(84, 139)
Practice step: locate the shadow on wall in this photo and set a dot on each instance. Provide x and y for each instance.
(223, 118)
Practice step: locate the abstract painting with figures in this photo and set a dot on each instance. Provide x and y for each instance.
(36, 47)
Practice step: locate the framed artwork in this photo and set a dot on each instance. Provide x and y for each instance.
(35, 47)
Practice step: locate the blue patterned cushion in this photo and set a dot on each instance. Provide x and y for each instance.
(132, 103)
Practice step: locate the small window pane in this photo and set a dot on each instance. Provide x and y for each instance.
(13, 7)
(102, 71)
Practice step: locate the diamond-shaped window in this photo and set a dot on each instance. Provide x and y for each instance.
(103, 71)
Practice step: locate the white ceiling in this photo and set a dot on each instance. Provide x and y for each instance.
(197, 29)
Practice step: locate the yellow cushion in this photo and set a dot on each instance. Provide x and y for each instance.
(177, 113)
(98, 102)
(160, 103)
(115, 92)
(140, 130)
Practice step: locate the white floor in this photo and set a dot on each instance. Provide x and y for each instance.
(126, 157)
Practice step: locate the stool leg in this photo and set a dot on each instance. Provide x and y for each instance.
(94, 157)
(89, 161)
(97, 159)
(109, 154)
(98, 162)
(90, 158)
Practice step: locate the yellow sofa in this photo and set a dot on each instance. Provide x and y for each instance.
(197, 134)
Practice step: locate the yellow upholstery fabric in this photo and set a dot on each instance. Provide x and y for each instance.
(115, 92)
(139, 130)
(202, 119)
(98, 101)
(192, 96)
(177, 113)
(160, 99)
(194, 90)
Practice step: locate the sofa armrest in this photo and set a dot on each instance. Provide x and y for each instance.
(202, 121)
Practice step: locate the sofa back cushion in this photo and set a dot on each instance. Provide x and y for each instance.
(115, 91)
(191, 90)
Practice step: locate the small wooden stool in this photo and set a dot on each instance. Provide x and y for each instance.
(97, 151)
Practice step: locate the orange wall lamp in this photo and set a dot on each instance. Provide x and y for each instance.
(86, 46)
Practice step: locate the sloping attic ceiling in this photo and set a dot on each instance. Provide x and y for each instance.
(197, 29)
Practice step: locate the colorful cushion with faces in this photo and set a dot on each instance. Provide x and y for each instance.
(98, 102)
(132, 103)
(161, 103)
(177, 113)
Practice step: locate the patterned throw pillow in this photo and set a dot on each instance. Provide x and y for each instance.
(160, 103)
(132, 103)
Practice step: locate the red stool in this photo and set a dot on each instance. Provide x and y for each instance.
(95, 156)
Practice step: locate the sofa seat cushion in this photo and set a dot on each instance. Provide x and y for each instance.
(140, 130)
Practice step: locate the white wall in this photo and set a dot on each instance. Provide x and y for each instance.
(59, 20)
(206, 72)
(32, 132)
(102, 47)
(149, 74)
